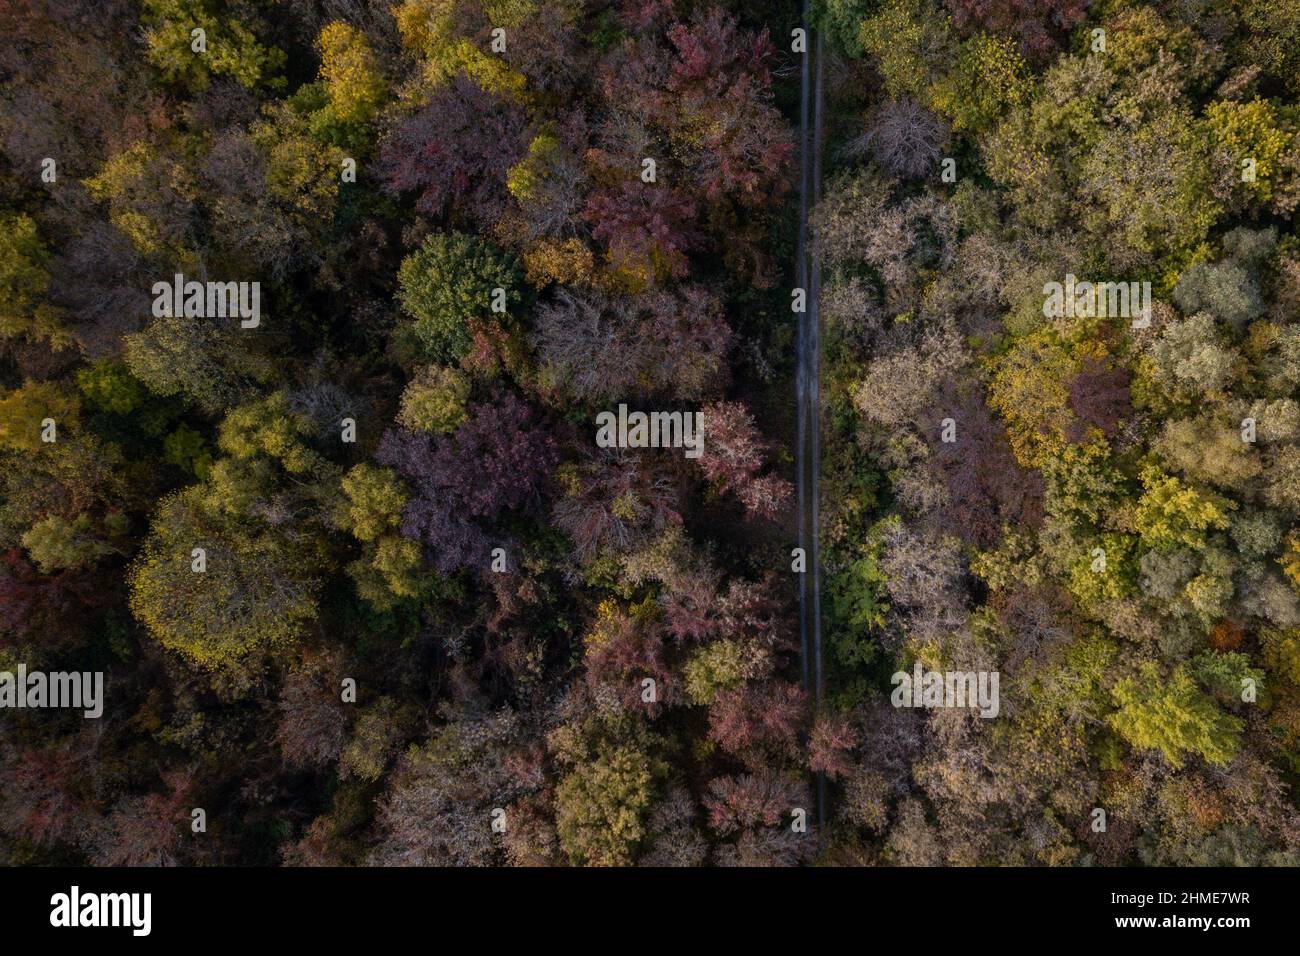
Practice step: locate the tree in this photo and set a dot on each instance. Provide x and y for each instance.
(146, 830)
(905, 139)
(109, 385)
(600, 347)
(1172, 513)
(24, 281)
(841, 21)
(301, 174)
(456, 152)
(231, 48)
(548, 184)
(923, 575)
(1100, 398)
(1173, 716)
(1222, 289)
(186, 449)
(673, 837)
(1190, 356)
(270, 428)
(312, 725)
(986, 488)
(759, 721)
(624, 648)
(375, 739)
(605, 794)
(450, 282)
(733, 457)
(47, 799)
(24, 411)
(899, 388)
(1167, 209)
(189, 357)
(1030, 388)
(613, 502)
(149, 196)
(375, 501)
(751, 800)
(256, 595)
(715, 667)
(1256, 130)
(499, 460)
(754, 810)
(56, 543)
(721, 97)
(390, 570)
(1207, 449)
(1040, 25)
(1229, 289)
(273, 192)
(831, 746)
(108, 294)
(55, 610)
(352, 78)
(910, 44)
(77, 476)
(647, 230)
(434, 401)
(438, 808)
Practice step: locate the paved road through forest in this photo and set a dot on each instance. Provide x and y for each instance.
(808, 455)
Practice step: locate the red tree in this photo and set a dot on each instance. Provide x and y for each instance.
(456, 151)
(759, 720)
(986, 487)
(733, 458)
(1039, 25)
(830, 748)
(1100, 397)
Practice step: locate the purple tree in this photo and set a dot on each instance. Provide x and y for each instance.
(499, 460)
(456, 151)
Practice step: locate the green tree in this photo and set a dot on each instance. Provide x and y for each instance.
(841, 21)
(55, 543)
(185, 448)
(232, 49)
(434, 401)
(24, 410)
(717, 666)
(1254, 131)
(1172, 715)
(256, 593)
(24, 280)
(1172, 513)
(375, 498)
(391, 570)
(602, 802)
(109, 385)
(448, 283)
(269, 428)
(352, 77)
(178, 356)
(375, 739)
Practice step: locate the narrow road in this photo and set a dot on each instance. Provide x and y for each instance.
(808, 382)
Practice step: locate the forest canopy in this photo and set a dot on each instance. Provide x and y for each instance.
(308, 310)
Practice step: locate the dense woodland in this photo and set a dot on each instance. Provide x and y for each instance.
(394, 480)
